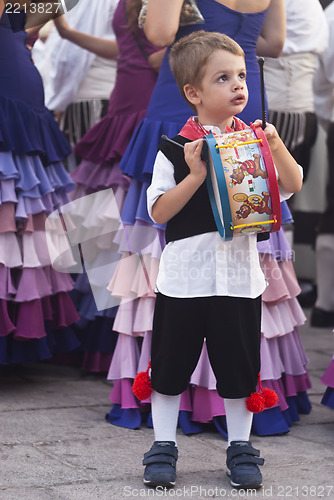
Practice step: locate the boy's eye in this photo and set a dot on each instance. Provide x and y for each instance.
(223, 78)
(242, 76)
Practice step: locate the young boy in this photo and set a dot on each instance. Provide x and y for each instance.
(206, 288)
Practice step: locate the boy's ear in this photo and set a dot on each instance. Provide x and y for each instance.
(191, 94)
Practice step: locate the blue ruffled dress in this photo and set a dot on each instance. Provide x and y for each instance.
(36, 309)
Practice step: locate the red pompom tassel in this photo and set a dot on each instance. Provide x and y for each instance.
(142, 387)
(255, 402)
(270, 398)
(263, 398)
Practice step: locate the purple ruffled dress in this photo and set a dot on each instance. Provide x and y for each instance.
(103, 146)
(35, 308)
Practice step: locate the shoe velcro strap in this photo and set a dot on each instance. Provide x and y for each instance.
(245, 459)
(159, 458)
(235, 451)
(166, 450)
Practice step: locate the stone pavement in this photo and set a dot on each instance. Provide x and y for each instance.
(55, 443)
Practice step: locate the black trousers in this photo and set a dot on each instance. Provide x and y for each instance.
(231, 327)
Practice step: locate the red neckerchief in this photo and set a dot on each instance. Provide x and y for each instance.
(192, 130)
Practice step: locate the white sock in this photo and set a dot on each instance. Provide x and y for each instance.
(165, 413)
(325, 272)
(238, 419)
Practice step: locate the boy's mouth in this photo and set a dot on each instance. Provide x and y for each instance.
(238, 99)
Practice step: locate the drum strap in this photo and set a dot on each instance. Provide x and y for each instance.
(225, 229)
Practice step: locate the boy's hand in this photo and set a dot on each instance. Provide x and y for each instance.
(192, 155)
(271, 134)
(290, 178)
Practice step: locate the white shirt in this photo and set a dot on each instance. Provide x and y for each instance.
(288, 78)
(205, 265)
(64, 65)
(306, 27)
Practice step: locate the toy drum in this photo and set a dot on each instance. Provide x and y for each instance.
(242, 183)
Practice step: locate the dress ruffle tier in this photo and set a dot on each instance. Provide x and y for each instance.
(36, 309)
(108, 139)
(26, 130)
(101, 148)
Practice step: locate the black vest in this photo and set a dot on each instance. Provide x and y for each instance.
(196, 216)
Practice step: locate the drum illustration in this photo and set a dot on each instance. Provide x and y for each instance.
(242, 183)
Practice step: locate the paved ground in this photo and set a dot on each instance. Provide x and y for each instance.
(55, 443)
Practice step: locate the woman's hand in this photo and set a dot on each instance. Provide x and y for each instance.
(62, 27)
(39, 13)
(155, 59)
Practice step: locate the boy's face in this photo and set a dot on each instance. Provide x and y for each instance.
(223, 91)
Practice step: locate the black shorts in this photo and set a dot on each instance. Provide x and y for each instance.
(232, 329)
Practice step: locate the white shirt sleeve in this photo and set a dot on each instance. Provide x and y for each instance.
(162, 180)
(306, 27)
(285, 195)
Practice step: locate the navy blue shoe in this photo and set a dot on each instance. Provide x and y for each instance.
(160, 464)
(242, 462)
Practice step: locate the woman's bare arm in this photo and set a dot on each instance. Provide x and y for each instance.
(271, 41)
(99, 46)
(162, 21)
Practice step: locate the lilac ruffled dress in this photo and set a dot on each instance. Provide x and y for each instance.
(36, 309)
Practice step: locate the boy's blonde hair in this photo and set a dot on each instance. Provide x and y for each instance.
(189, 56)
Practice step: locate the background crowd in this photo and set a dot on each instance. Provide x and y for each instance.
(83, 106)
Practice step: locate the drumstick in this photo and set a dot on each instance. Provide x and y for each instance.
(263, 105)
(165, 138)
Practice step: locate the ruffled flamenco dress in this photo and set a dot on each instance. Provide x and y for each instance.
(283, 358)
(101, 150)
(36, 309)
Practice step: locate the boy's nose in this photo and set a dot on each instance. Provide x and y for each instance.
(238, 85)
